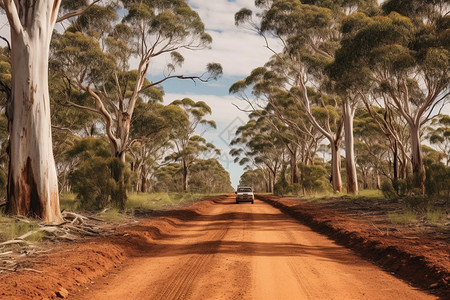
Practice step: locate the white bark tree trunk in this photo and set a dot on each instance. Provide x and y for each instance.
(32, 179)
(350, 164)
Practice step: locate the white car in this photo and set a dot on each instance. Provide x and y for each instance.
(244, 193)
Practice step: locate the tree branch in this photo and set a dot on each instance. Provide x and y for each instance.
(12, 14)
(76, 12)
(63, 129)
(7, 43)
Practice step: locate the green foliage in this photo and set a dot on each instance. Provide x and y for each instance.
(281, 187)
(389, 192)
(314, 178)
(187, 145)
(68, 201)
(437, 181)
(206, 176)
(98, 179)
(94, 184)
(209, 176)
(401, 186)
(439, 135)
(254, 178)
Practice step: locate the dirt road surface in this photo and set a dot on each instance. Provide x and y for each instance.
(245, 251)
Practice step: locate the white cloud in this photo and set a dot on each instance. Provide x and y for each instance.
(238, 50)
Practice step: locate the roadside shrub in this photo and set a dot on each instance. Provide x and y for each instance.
(92, 183)
(98, 179)
(389, 192)
(295, 188)
(400, 186)
(314, 178)
(281, 188)
(100, 182)
(437, 178)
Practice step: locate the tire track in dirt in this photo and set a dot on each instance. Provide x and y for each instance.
(180, 283)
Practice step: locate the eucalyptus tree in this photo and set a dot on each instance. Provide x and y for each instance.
(409, 59)
(150, 135)
(99, 51)
(308, 30)
(372, 149)
(188, 146)
(208, 176)
(257, 144)
(282, 112)
(32, 179)
(69, 124)
(254, 178)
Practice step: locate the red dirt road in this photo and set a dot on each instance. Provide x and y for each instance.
(246, 251)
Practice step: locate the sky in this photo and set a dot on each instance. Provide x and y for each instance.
(239, 51)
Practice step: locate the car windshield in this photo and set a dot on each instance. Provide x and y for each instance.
(244, 189)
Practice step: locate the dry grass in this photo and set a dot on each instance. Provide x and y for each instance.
(406, 217)
(11, 228)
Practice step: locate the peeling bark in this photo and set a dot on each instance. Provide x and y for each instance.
(32, 178)
(350, 164)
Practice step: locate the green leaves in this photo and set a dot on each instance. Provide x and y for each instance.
(242, 16)
(96, 21)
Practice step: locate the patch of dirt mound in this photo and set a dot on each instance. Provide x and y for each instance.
(422, 261)
(66, 267)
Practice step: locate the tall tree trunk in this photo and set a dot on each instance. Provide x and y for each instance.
(270, 182)
(403, 163)
(143, 183)
(395, 160)
(417, 158)
(350, 165)
(378, 179)
(336, 178)
(32, 178)
(294, 168)
(185, 177)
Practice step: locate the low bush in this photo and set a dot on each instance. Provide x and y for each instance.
(389, 191)
(314, 178)
(100, 182)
